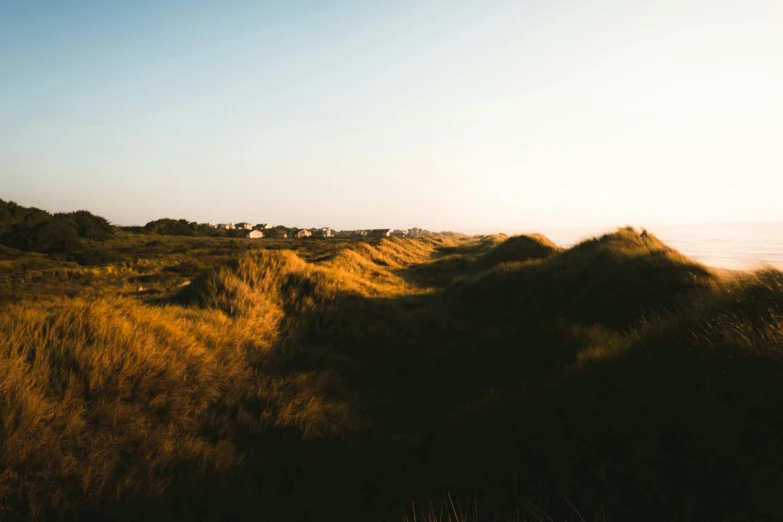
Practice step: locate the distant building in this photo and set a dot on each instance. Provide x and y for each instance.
(379, 232)
(399, 233)
(351, 233)
(254, 234)
(323, 232)
(244, 226)
(262, 226)
(226, 226)
(418, 232)
(210, 225)
(299, 234)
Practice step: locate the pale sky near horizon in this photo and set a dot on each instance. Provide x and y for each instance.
(476, 116)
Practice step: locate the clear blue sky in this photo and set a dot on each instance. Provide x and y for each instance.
(474, 116)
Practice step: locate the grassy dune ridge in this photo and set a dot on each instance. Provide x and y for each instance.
(616, 378)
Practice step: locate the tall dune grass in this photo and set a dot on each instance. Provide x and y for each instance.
(617, 374)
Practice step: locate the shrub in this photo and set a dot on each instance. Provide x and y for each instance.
(87, 225)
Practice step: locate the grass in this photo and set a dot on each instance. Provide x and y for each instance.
(341, 380)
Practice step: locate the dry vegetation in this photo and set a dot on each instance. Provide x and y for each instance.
(320, 380)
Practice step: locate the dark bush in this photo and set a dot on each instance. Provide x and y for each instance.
(32, 229)
(55, 236)
(88, 225)
(171, 227)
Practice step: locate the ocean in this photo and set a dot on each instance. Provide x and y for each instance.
(736, 246)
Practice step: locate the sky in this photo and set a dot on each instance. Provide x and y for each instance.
(475, 116)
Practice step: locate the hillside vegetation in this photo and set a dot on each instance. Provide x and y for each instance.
(35, 230)
(358, 380)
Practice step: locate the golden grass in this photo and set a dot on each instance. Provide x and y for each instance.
(108, 399)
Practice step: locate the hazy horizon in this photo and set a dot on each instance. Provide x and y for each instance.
(467, 116)
(576, 230)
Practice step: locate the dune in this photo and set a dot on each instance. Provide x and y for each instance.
(616, 374)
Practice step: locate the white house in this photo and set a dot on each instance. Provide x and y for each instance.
(323, 232)
(254, 234)
(294, 233)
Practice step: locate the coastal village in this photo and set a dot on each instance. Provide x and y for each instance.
(263, 230)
